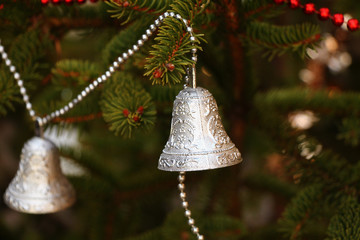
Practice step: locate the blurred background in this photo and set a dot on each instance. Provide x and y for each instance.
(288, 95)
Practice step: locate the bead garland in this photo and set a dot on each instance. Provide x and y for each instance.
(323, 13)
(116, 64)
(185, 205)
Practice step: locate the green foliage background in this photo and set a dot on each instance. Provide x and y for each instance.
(250, 54)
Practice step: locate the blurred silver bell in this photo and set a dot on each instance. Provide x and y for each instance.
(197, 138)
(39, 185)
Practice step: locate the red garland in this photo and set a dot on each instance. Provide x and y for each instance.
(338, 19)
(323, 13)
(309, 8)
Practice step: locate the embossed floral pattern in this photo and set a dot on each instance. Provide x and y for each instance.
(228, 158)
(217, 131)
(181, 136)
(168, 163)
(197, 140)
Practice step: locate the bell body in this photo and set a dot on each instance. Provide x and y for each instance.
(197, 140)
(39, 186)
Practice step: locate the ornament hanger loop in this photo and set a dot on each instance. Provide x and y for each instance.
(193, 77)
(38, 127)
(108, 73)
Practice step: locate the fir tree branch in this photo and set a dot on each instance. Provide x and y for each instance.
(70, 73)
(126, 38)
(260, 9)
(350, 131)
(346, 223)
(172, 47)
(67, 22)
(323, 102)
(26, 51)
(296, 214)
(126, 105)
(9, 93)
(251, 13)
(131, 9)
(276, 40)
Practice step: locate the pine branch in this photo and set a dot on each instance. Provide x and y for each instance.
(334, 169)
(193, 10)
(126, 105)
(350, 131)
(15, 20)
(26, 52)
(125, 39)
(130, 10)
(346, 223)
(322, 102)
(68, 78)
(174, 47)
(299, 211)
(276, 40)
(9, 92)
(173, 41)
(70, 73)
(260, 9)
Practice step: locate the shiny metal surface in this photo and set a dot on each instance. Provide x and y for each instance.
(197, 140)
(39, 185)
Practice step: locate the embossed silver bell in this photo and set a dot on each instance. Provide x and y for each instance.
(197, 140)
(39, 186)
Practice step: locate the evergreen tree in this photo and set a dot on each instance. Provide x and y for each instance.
(295, 182)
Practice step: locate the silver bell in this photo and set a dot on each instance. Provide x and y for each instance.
(39, 185)
(197, 140)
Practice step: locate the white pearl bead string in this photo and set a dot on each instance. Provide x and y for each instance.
(120, 60)
(185, 205)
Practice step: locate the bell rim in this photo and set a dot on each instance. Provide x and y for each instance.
(240, 160)
(180, 163)
(67, 202)
(70, 191)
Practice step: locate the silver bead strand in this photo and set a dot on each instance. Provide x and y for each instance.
(19, 82)
(185, 205)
